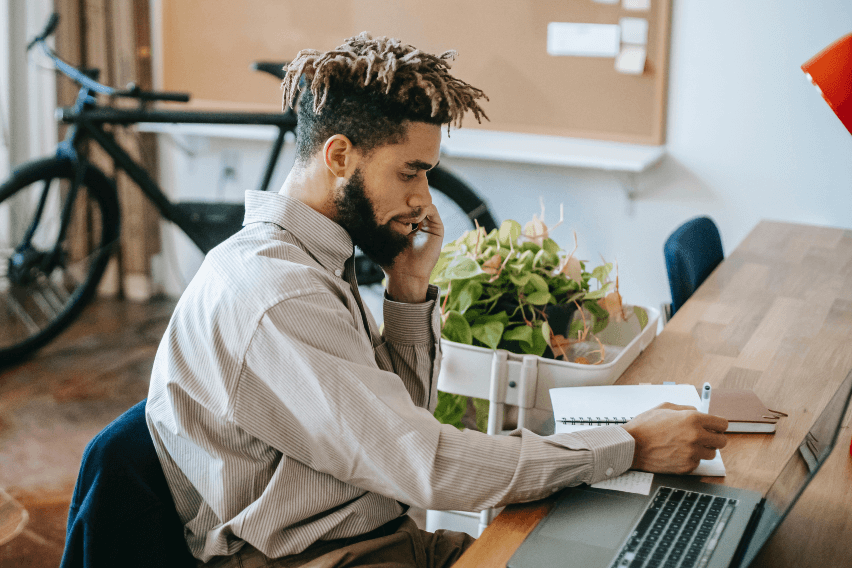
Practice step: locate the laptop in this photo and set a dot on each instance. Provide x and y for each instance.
(682, 523)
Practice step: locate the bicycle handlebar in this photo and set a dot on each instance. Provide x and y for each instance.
(79, 77)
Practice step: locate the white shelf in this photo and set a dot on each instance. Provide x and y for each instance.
(233, 131)
(480, 144)
(551, 150)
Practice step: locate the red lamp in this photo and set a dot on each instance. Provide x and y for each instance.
(830, 71)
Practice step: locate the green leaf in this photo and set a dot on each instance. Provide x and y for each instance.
(509, 232)
(488, 333)
(482, 406)
(538, 345)
(601, 273)
(641, 315)
(539, 283)
(596, 309)
(529, 246)
(550, 246)
(450, 409)
(598, 294)
(522, 333)
(576, 328)
(519, 280)
(545, 331)
(599, 324)
(457, 329)
(545, 258)
(462, 268)
(468, 295)
(501, 317)
(539, 298)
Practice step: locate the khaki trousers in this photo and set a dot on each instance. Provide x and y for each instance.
(396, 544)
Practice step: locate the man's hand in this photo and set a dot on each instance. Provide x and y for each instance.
(408, 277)
(673, 439)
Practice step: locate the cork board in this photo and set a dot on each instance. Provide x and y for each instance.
(206, 47)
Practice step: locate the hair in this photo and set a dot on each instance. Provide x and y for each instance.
(367, 88)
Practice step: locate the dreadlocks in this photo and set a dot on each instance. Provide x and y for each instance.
(366, 88)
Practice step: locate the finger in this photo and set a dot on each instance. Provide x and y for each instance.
(706, 453)
(713, 439)
(672, 406)
(432, 222)
(713, 423)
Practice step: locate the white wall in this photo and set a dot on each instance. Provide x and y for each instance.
(748, 138)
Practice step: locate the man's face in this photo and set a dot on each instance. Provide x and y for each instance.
(388, 193)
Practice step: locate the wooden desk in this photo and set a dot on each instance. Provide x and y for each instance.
(775, 317)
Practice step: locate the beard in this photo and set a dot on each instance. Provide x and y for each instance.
(356, 214)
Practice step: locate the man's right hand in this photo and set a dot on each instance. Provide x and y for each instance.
(671, 438)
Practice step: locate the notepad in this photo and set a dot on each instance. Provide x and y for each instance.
(580, 408)
(744, 411)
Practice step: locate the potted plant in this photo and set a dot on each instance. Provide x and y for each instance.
(517, 289)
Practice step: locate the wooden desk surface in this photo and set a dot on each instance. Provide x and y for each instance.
(775, 317)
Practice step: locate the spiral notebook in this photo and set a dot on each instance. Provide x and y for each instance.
(580, 408)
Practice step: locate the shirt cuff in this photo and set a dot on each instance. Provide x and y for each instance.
(410, 323)
(612, 451)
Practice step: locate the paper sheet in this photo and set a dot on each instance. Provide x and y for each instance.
(713, 468)
(629, 482)
(631, 60)
(638, 5)
(634, 30)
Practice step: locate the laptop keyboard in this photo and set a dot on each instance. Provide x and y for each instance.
(679, 529)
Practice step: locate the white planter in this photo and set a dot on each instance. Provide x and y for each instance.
(468, 370)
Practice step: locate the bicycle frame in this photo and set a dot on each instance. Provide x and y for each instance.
(87, 121)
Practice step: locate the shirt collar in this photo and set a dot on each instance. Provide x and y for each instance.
(324, 239)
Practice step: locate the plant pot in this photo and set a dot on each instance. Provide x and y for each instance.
(468, 370)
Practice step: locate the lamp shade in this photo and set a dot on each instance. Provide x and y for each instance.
(830, 71)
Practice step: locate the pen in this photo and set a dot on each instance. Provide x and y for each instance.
(705, 399)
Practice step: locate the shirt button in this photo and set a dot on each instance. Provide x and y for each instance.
(608, 471)
(338, 272)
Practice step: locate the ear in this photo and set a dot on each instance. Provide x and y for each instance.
(339, 155)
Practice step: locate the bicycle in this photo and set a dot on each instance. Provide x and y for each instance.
(50, 276)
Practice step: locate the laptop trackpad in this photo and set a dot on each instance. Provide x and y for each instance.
(593, 518)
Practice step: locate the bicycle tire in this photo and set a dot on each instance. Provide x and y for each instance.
(64, 290)
(461, 208)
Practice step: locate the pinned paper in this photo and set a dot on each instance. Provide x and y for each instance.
(631, 60)
(637, 5)
(634, 30)
(589, 40)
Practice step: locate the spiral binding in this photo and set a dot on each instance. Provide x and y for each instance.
(596, 421)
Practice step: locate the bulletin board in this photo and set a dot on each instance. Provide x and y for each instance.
(206, 46)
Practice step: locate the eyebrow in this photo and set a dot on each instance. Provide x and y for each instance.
(420, 165)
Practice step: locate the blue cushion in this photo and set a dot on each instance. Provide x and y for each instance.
(122, 513)
(692, 252)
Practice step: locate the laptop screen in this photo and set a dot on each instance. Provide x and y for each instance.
(800, 469)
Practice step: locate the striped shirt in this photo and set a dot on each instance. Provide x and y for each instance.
(282, 416)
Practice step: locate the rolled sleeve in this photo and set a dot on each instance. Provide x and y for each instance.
(411, 323)
(612, 451)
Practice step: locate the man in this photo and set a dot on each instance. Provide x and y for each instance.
(291, 431)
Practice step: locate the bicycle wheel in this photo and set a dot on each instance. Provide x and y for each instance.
(459, 206)
(57, 227)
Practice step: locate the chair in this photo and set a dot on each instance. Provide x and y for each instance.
(122, 513)
(691, 252)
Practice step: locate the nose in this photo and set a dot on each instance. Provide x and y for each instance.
(420, 197)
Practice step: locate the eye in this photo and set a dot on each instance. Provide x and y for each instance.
(408, 177)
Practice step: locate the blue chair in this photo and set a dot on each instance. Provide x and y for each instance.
(122, 513)
(692, 252)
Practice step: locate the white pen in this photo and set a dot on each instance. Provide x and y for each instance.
(705, 399)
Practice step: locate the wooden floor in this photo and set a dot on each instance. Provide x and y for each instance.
(53, 404)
